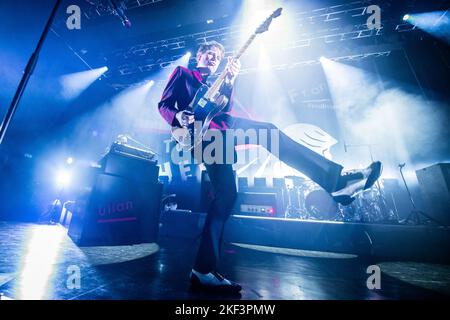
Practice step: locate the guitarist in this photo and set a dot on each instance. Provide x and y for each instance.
(174, 105)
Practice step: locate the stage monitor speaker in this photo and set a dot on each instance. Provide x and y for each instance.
(434, 183)
(117, 211)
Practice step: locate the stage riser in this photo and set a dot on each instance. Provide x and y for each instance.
(403, 242)
(374, 240)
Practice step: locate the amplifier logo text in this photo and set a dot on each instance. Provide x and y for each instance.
(113, 208)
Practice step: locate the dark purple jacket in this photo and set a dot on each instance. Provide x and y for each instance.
(179, 92)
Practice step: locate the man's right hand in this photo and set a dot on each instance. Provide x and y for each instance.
(185, 118)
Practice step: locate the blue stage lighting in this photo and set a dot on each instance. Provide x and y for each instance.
(74, 84)
(63, 178)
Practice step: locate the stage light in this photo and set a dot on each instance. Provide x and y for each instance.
(63, 178)
(184, 60)
(251, 15)
(74, 84)
(104, 69)
(436, 23)
(149, 84)
(128, 109)
(69, 160)
(136, 95)
(406, 17)
(209, 21)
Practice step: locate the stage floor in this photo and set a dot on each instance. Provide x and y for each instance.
(42, 262)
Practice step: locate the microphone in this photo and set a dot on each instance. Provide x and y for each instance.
(401, 165)
(118, 11)
(345, 146)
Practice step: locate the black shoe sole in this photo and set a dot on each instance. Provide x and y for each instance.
(377, 168)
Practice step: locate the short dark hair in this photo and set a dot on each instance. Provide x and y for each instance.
(209, 45)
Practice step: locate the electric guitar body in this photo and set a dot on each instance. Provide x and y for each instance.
(204, 111)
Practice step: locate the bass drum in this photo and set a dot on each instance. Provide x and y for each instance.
(321, 206)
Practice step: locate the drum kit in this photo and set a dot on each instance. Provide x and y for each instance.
(306, 200)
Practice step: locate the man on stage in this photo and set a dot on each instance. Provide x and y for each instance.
(174, 108)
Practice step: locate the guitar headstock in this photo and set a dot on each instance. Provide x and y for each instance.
(265, 25)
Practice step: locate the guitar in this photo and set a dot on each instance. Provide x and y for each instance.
(208, 102)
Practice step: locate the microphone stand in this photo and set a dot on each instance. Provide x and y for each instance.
(415, 213)
(26, 75)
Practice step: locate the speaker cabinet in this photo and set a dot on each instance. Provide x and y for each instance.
(434, 183)
(122, 205)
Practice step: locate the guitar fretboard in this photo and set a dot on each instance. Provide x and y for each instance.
(214, 89)
(245, 46)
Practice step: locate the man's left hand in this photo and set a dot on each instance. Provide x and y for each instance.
(233, 67)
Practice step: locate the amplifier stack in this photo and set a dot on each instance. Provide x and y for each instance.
(121, 202)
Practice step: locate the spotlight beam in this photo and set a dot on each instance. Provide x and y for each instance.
(435, 23)
(74, 84)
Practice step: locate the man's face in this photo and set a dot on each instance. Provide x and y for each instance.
(209, 59)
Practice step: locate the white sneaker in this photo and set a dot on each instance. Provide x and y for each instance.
(354, 182)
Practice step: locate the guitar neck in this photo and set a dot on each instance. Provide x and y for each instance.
(262, 28)
(212, 91)
(245, 46)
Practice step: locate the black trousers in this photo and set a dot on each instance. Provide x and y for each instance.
(319, 169)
